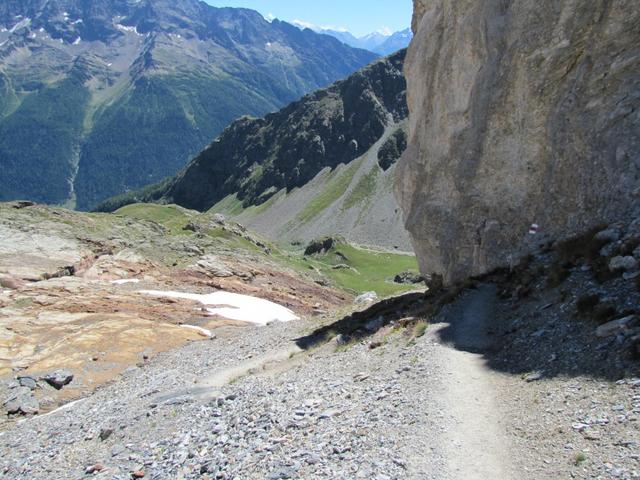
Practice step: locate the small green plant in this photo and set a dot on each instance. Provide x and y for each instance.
(581, 457)
(420, 328)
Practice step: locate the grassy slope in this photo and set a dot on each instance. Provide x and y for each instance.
(172, 217)
(336, 186)
(369, 270)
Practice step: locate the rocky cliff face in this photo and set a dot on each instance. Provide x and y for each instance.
(522, 113)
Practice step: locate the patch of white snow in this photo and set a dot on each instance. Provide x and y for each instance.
(21, 24)
(202, 331)
(125, 28)
(235, 306)
(124, 281)
(77, 41)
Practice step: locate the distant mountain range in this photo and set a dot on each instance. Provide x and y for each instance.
(322, 165)
(383, 43)
(99, 97)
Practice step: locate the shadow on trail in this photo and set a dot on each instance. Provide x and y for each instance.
(514, 336)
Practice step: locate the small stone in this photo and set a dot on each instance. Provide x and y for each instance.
(137, 474)
(533, 377)
(609, 235)
(59, 378)
(117, 450)
(591, 435)
(623, 263)
(313, 459)
(98, 467)
(328, 414)
(105, 433)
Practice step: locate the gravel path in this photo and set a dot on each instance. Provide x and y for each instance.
(251, 405)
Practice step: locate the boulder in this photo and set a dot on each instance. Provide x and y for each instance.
(28, 382)
(21, 401)
(213, 265)
(408, 278)
(365, 298)
(627, 264)
(319, 246)
(615, 327)
(521, 113)
(59, 378)
(11, 283)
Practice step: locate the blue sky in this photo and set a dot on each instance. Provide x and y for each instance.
(358, 16)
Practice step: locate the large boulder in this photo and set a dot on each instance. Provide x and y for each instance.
(524, 117)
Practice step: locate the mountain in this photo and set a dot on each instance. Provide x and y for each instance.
(373, 40)
(99, 97)
(380, 42)
(394, 42)
(322, 165)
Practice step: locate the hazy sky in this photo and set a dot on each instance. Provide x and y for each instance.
(358, 16)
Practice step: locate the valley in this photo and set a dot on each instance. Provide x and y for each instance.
(324, 165)
(424, 266)
(146, 85)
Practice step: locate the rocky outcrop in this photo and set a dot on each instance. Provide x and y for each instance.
(522, 113)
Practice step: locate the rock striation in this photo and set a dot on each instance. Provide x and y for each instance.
(521, 114)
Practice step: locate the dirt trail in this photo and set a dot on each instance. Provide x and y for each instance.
(475, 445)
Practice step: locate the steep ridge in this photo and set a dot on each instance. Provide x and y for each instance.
(137, 88)
(524, 117)
(322, 165)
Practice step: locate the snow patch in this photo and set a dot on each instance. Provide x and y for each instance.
(21, 24)
(78, 21)
(202, 331)
(234, 306)
(125, 281)
(124, 28)
(77, 41)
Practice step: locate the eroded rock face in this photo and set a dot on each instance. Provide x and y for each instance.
(522, 113)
